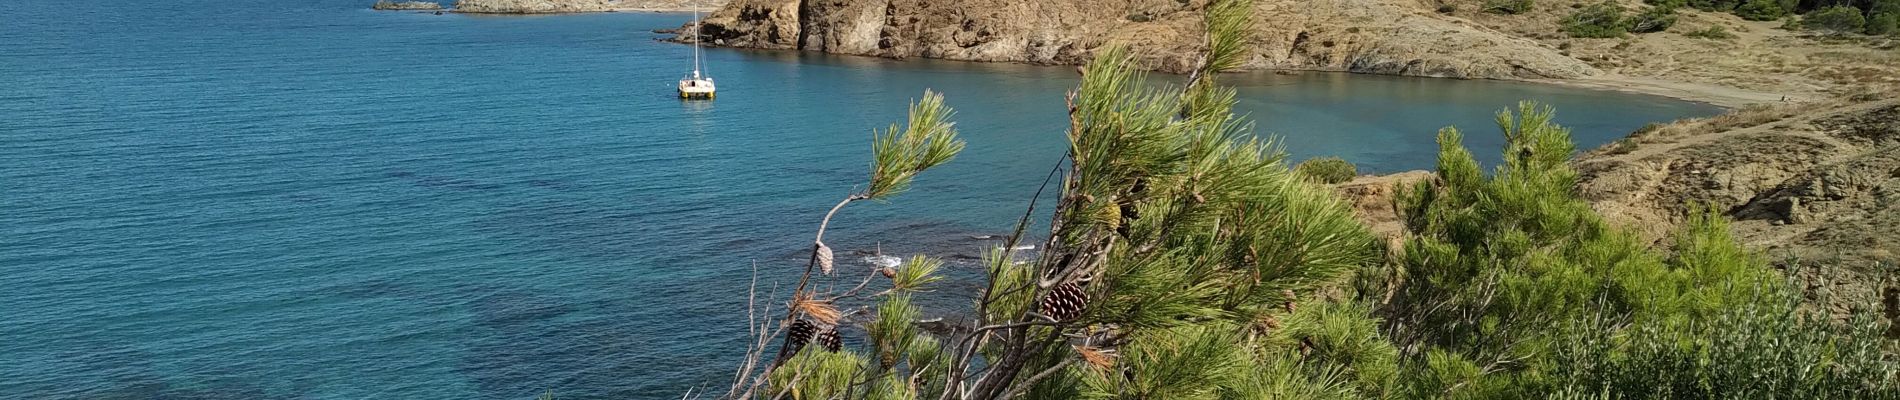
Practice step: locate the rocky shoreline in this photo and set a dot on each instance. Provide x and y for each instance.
(581, 6)
(1365, 36)
(386, 5)
(1389, 37)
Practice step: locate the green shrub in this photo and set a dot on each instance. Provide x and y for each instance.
(1886, 23)
(1601, 20)
(1883, 17)
(1496, 265)
(1716, 32)
(1765, 10)
(1656, 19)
(1327, 170)
(1834, 20)
(1714, 5)
(1768, 350)
(1447, 8)
(1507, 6)
(1670, 4)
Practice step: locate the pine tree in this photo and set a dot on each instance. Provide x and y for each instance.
(1179, 247)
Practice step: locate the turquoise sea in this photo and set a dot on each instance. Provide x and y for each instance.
(306, 199)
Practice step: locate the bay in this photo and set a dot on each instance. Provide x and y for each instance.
(309, 199)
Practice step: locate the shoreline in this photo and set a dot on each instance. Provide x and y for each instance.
(1720, 96)
(655, 10)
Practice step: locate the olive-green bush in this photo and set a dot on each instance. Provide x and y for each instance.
(1327, 170)
(1601, 20)
(1834, 20)
(1655, 19)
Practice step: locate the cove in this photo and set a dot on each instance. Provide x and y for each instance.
(310, 199)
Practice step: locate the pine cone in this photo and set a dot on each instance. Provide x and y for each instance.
(824, 258)
(830, 340)
(1064, 303)
(799, 334)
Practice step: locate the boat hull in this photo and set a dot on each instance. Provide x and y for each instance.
(697, 89)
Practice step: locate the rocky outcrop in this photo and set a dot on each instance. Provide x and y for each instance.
(580, 6)
(1373, 196)
(1815, 186)
(1372, 36)
(406, 5)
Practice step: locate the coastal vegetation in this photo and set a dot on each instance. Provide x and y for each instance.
(1184, 259)
(1327, 169)
(1601, 20)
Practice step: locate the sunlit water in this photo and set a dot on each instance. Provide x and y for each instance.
(308, 199)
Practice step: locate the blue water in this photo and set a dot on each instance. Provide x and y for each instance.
(308, 199)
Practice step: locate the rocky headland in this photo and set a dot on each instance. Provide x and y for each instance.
(1370, 36)
(581, 6)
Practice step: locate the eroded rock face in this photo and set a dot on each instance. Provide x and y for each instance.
(1371, 36)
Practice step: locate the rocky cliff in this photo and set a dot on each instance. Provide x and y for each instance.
(1397, 37)
(579, 6)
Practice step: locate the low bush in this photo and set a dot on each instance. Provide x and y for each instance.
(1834, 20)
(1507, 6)
(1656, 19)
(1716, 32)
(1601, 20)
(1765, 350)
(1327, 170)
(1885, 23)
(1714, 5)
(1765, 10)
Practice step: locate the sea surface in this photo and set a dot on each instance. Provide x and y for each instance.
(311, 200)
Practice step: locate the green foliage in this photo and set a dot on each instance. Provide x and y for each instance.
(1765, 10)
(1763, 350)
(899, 154)
(1507, 6)
(1713, 32)
(914, 275)
(1327, 170)
(815, 374)
(1343, 343)
(1655, 19)
(1601, 20)
(1715, 5)
(1834, 20)
(1883, 17)
(1497, 263)
(1667, 4)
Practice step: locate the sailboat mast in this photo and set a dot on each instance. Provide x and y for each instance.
(696, 38)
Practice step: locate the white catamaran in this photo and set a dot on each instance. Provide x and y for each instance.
(696, 85)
